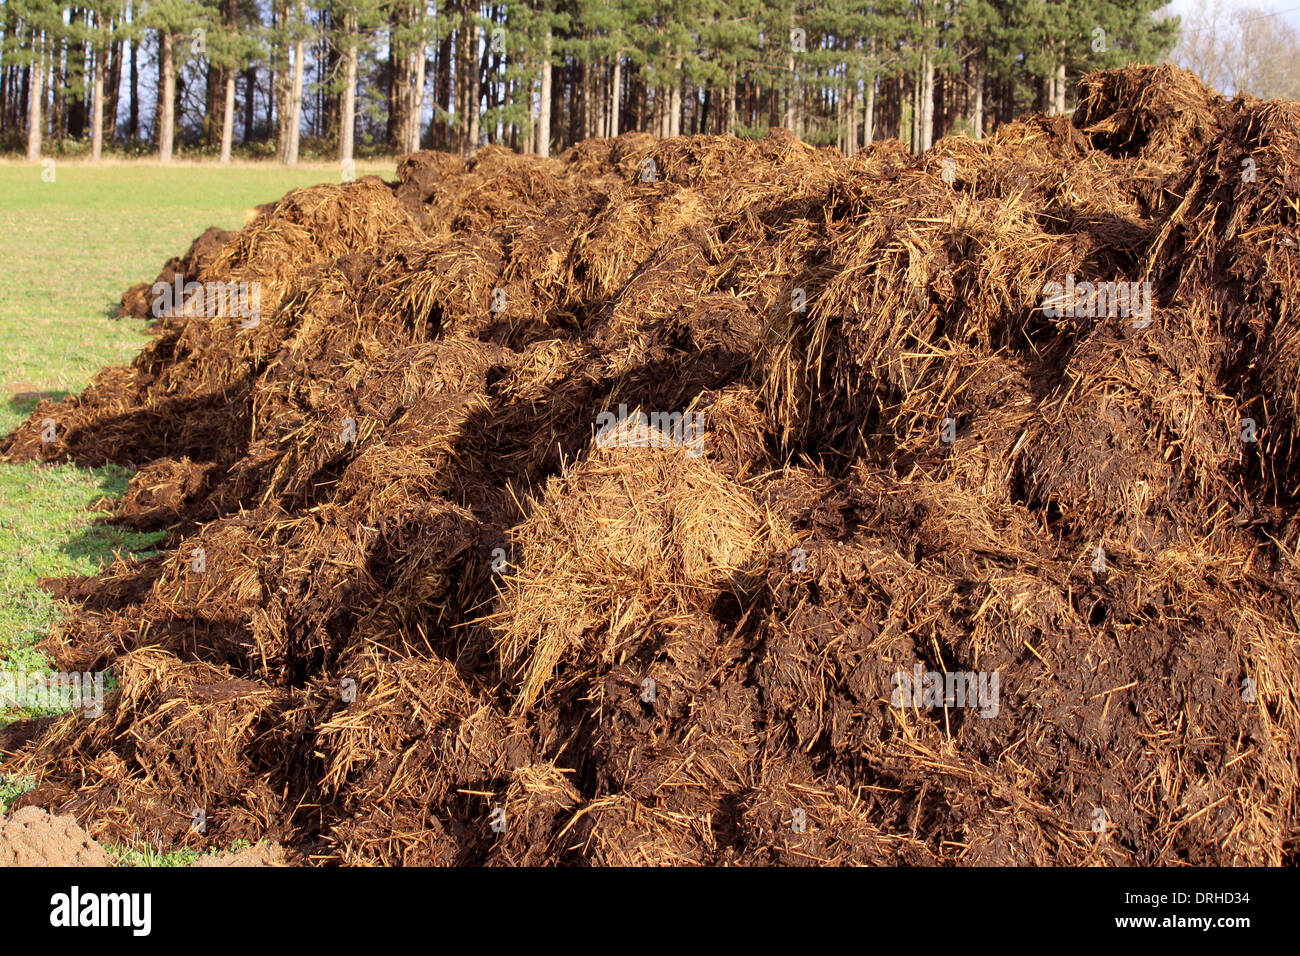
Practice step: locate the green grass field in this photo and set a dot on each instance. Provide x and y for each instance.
(68, 249)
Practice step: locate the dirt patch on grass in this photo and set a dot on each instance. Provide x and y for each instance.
(32, 837)
(262, 854)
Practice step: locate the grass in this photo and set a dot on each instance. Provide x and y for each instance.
(46, 530)
(142, 853)
(68, 249)
(11, 788)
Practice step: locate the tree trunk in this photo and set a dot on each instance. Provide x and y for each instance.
(731, 101)
(851, 108)
(789, 74)
(58, 81)
(675, 100)
(530, 138)
(459, 128)
(586, 123)
(34, 99)
(841, 95)
(112, 98)
(1060, 87)
(439, 126)
(293, 119)
(250, 91)
(133, 117)
(401, 85)
(637, 93)
(544, 105)
(274, 97)
(914, 113)
(97, 118)
(869, 112)
(789, 93)
(926, 105)
(228, 117)
(277, 98)
(415, 98)
(211, 134)
(472, 106)
(167, 108)
(348, 122)
(600, 101)
(977, 105)
(615, 85)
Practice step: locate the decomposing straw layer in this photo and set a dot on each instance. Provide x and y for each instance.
(949, 573)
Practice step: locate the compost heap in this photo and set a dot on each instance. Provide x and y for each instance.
(416, 607)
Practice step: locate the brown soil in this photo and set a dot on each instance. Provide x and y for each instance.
(475, 613)
(32, 837)
(262, 854)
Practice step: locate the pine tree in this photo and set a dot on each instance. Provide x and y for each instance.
(100, 37)
(292, 36)
(178, 24)
(539, 74)
(43, 31)
(231, 45)
(357, 21)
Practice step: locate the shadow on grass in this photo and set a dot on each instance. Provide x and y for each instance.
(101, 540)
(24, 403)
(98, 542)
(87, 548)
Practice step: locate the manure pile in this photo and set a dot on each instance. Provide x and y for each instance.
(433, 594)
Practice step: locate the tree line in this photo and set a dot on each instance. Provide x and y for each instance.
(341, 77)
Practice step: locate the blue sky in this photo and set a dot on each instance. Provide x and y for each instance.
(1289, 9)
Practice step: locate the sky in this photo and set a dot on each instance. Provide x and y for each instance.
(1288, 10)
